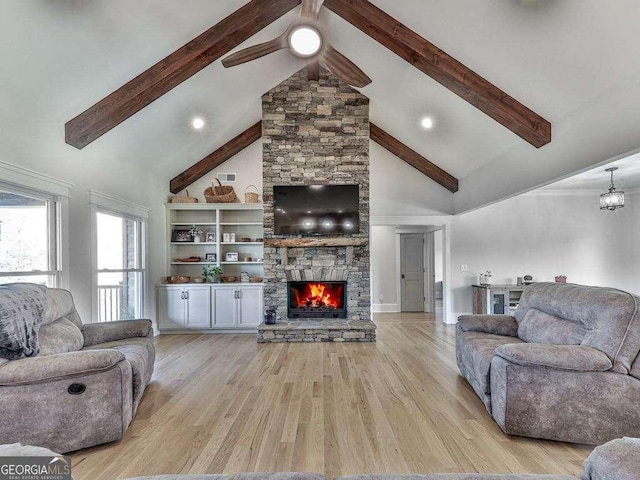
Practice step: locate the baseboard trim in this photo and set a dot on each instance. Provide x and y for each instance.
(385, 308)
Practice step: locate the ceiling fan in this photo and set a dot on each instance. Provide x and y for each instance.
(304, 40)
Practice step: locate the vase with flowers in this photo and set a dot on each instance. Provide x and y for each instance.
(196, 233)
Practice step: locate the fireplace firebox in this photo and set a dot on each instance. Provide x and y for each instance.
(317, 300)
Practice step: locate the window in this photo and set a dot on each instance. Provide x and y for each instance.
(29, 237)
(119, 260)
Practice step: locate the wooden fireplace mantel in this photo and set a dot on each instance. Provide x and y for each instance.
(315, 242)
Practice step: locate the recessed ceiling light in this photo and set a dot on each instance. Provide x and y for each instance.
(305, 41)
(197, 123)
(427, 122)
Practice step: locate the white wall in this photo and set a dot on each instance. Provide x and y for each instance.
(383, 269)
(247, 165)
(398, 189)
(544, 236)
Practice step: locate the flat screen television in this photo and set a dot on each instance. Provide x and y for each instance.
(316, 209)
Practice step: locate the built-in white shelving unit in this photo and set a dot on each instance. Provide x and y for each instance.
(213, 307)
(242, 219)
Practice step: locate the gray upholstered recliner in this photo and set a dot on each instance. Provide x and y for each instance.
(565, 367)
(85, 383)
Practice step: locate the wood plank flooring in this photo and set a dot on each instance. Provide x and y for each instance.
(224, 404)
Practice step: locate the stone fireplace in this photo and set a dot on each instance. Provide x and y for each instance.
(316, 133)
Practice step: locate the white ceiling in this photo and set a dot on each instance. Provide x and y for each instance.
(598, 179)
(61, 56)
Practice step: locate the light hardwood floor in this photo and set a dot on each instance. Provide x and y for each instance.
(222, 403)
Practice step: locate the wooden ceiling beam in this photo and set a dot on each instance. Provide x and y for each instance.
(174, 69)
(217, 158)
(413, 158)
(445, 69)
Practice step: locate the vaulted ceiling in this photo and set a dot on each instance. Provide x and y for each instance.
(555, 56)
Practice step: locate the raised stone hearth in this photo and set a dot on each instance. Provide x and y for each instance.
(317, 330)
(316, 132)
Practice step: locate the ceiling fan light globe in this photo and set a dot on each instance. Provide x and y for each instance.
(305, 41)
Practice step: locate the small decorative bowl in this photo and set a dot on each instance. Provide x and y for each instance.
(179, 279)
(229, 279)
(199, 280)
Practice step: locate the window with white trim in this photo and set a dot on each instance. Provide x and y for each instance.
(29, 236)
(119, 259)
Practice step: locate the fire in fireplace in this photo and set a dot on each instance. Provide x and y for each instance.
(317, 300)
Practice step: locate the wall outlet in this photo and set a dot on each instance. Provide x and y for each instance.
(464, 268)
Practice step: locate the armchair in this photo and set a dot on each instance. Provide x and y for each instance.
(85, 383)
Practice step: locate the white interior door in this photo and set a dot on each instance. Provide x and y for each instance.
(412, 272)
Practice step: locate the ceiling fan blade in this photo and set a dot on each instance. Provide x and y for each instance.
(310, 10)
(256, 51)
(343, 68)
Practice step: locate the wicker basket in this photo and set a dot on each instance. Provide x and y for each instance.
(251, 197)
(184, 198)
(219, 193)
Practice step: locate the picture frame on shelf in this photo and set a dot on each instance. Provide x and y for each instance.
(210, 237)
(229, 237)
(231, 257)
(181, 236)
(211, 257)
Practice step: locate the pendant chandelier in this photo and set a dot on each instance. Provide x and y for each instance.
(612, 199)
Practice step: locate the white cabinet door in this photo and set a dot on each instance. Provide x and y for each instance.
(224, 306)
(198, 307)
(250, 306)
(171, 308)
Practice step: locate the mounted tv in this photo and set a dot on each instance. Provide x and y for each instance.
(316, 210)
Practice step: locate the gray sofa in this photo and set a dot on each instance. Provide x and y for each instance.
(80, 384)
(564, 367)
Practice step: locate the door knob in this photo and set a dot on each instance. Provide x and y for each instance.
(402, 276)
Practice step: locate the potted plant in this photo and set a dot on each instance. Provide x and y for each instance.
(485, 278)
(213, 273)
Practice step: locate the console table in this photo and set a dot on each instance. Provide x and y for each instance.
(496, 299)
